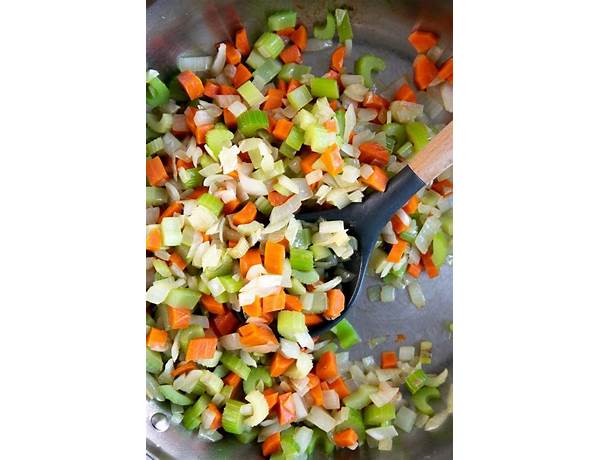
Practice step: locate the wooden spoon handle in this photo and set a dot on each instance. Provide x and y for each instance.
(435, 158)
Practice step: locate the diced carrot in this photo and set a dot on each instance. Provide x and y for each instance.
(232, 54)
(300, 37)
(286, 409)
(274, 257)
(313, 380)
(211, 89)
(242, 75)
(252, 257)
(276, 198)
(312, 319)
(337, 58)
(156, 172)
(331, 126)
(430, 267)
(226, 324)
(424, 71)
(293, 302)
(324, 386)
(282, 129)
(398, 225)
(271, 396)
(374, 154)
(216, 424)
(174, 207)
(340, 387)
(241, 42)
(274, 99)
(232, 243)
(389, 359)
(183, 368)
(268, 317)
(211, 305)
(333, 104)
(253, 309)
(231, 206)
(317, 394)
(378, 180)
(177, 260)
(234, 174)
(229, 118)
(245, 215)
(307, 160)
(397, 251)
(332, 75)
(335, 303)
(271, 444)
(157, 339)
(288, 31)
(292, 85)
(443, 187)
(332, 160)
(183, 164)
(191, 84)
(189, 114)
(272, 123)
(200, 132)
(274, 302)
(179, 318)
(291, 54)
(198, 192)
(326, 367)
(422, 40)
(282, 85)
(235, 382)
(374, 101)
(253, 334)
(414, 270)
(445, 72)
(201, 348)
(280, 364)
(405, 93)
(227, 90)
(153, 240)
(345, 438)
(411, 205)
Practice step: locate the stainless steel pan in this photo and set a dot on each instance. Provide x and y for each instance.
(175, 27)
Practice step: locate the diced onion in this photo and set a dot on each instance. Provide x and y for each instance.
(321, 419)
(436, 421)
(194, 63)
(301, 411)
(446, 91)
(289, 349)
(366, 114)
(230, 341)
(404, 111)
(331, 400)
(314, 44)
(384, 432)
(416, 294)
(406, 353)
(219, 62)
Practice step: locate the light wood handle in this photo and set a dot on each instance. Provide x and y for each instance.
(435, 158)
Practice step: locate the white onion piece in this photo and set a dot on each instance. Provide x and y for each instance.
(301, 411)
(253, 186)
(331, 400)
(321, 419)
(446, 91)
(270, 429)
(152, 215)
(286, 210)
(229, 71)
(436, 421)
(314, 44)
(416, 294)
(381, 433)
(260, 408)
(437, 380)
(431, 226)
(303, 437)
(356, 92)
(329, 285)
(406, 353)
(385, 394)
(350, 122)
(366, 114)
(388, 235)
(219, 62)
(225, 100)
(237, 108)
(289, 349)
(404, 111)
(194, 63)
(249, 360)
(203, 117)
(349, 79)
(209, 435)
(199, 321)
(230, 341)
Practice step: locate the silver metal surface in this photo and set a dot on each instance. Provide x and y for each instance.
(191, 27)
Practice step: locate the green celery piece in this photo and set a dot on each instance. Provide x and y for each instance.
(190, 178)
(191, 416)
(257, 374)
(227, 392)
(248, 436)
(394, 278)
(306, 277)
(301, 259)
(447, 219)
(230, 284)
(366, 65)
(390, 143)
(211, 382)
(193, 331)
(178, 94)
(232, 419)
(295, 138)
(416, 380)
(278, 456)
(263, 205)
(160, 126)
(150, 321)
(325, 31)
(342, 21)
(304, 119)
(430, 197)
(346, 334)
(418, 134)
(156, 196)
(324, 87)
(395, 130)
(170, 229)
(320, 252)
(297, 287)
(157, 93)
(293, 71)
(154, 363)
(203, 287)
(223, 297)
(286, 150)
(155, 146)
(331, 346)
(269, 45)
(299, 97)
(360, 398)
(354, 421)
(440, 248)
(303, 240)
(216, 139)
(212, 203)
(251, 94)
(235, 364)
(377, 257)
(290, 323)
(319, 138)
(251, 121)
(255, 60)
(289, 446)
(327, 445)
(206, 160)
(267, 71)
(375, 416)
(281, 189)
(183, 298)
(221, 371)
(405, 150)
(151, 134)
(422, 397)
(175, 396)
(340, 116)
(425, 349)
(282, 20)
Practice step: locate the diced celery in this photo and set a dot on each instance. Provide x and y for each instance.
(297, 287)
(157, 93)
(263, 205)
(281, 190)
(203, 287)
(425, 349)
(374, 293)
(191, 178)
(360, 398)
(217, 138)
(295, 138)
(301, 259)
(221, 370)
(170, 229)
(390, 143)
(267, 71)
(286, 150)
(155, 146)
(308, 277)
(212, 382)
(320, 252)
(230, 284)
(405, 150)
(282, 20)
(366, 65)
(354, 421)
(340, 116)
(251, 95)
(235, 364)
(346, 334)
(325, 31)
(299, 97)
(342, 21)
(182, 298)
(255, 60)
(206, 160)
(156, 196)
(212, 203)
(388, 294)
(248, 436)
(154, 363)
(331, 346)
(269, 45)
(418, 134)
(293, 71)
(303, 239)
(319, 138)
(251, 121)
(416, 380)
(191, 332)
(290, 323)
(289, 446)
(191, 416)
(257, 374)
(232, 419)
(422, 397)
(161, 125)
(175, 396)
(324, 87)
(447, 219)
(223, 297)
(375, 416)
(440, 248)
(396, 130)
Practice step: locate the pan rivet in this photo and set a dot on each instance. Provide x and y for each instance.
(160, 422)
